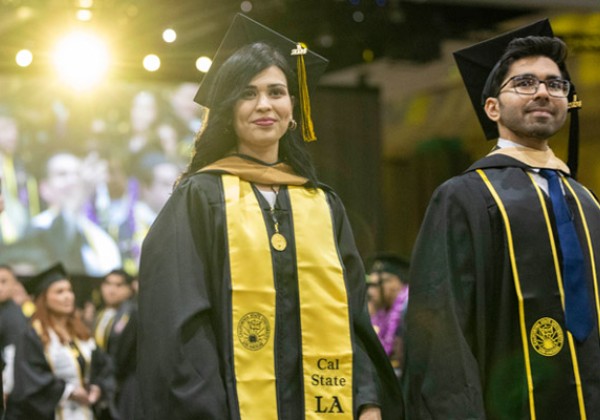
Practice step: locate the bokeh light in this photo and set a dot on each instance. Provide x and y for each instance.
(203, 64)
(151, 62)
(246, 6)
(169, 35)
(81, 59)
(24, 58)
(84, 15)
(358, 16)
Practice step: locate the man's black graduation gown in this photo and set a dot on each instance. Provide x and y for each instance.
(465, 351)
(121, 346)
(185, 361)
(12, 324)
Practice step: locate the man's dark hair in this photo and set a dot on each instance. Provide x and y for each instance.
(531, 46)
(120, 272)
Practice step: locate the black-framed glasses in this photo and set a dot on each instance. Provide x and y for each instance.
(529, 85)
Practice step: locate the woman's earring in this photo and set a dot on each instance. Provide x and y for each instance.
(292, 125)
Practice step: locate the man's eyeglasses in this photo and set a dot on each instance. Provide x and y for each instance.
(529, 85)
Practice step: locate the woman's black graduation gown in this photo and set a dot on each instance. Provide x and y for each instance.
(185, 366)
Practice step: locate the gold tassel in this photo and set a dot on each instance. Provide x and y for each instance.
(575, 104)
(308, 132)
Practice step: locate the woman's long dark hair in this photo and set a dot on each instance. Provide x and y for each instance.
(218, 138)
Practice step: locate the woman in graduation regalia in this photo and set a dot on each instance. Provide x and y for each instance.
(252, 294)
(59, 373)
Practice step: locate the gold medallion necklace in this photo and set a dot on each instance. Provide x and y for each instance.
(278, 241)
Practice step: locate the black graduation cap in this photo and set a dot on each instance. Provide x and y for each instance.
(477, 65)
(387, 262)
(243, 31)
(36, 284)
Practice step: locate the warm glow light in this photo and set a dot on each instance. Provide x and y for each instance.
(169, 35)
(81, 59)
(86, 3)
(84, 15)
(24, 13)
(151, 62)
(24, 58)
(203, 64)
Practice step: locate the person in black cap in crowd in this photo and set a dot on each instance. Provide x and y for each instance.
(502, 321)
(12, 324)
(59, 373)
(252, 292)
(390, 273)
(115, 331)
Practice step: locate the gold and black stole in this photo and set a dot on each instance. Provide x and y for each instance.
(534, 259)
(324, 315)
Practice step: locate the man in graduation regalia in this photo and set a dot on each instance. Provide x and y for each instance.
(115, 332)
(502, 319)
(12, 324)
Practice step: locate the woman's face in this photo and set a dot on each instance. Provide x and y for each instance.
(262, 114)
(60, 298)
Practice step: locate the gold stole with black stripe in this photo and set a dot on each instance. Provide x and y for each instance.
(324, 314)
(535, 267)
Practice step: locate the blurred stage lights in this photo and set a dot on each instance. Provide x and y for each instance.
(203, 64)
(169, 35)
(151, 62)
(24, 58)
(84, 15)
(81, 59)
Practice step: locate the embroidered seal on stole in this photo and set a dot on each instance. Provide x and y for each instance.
(254, 331)
(547, 337)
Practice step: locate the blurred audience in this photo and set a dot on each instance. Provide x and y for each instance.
(64, 232)
(390, 272)
(20, 189)
(12, 324)
(116, 332)
(58, 371)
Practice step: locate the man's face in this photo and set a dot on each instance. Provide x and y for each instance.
(529, 118)
(63, 182)
(114, 290)
(374, 289)
(7, 285)
(391, 285)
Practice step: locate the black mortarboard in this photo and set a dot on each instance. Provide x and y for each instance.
(389, 263)
(243, 31)
(40, 282)
(479, 62)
